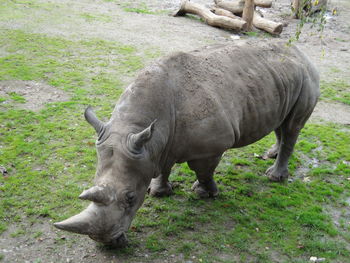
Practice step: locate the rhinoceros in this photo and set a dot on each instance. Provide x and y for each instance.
(192, 107)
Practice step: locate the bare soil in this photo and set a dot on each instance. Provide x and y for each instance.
(36, 94)
(331, 54)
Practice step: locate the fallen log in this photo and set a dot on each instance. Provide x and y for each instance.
(262, 23)
(223, 12)
(263, 3)
(267, 25)
(248, 14)
(209, 17)
(237, 6)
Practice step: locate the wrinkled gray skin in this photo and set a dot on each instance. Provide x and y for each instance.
(192, 107)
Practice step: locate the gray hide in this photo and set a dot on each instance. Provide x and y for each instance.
(192, 107)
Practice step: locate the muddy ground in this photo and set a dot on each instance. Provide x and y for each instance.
(331, 54)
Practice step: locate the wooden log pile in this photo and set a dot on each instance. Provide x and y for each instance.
(233, 14)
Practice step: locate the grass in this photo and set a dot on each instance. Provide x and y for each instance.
(138, 7)
(16, 97)
(52, 151)
(93, 17)
(336, 90)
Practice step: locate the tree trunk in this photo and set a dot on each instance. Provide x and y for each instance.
(296, 7)
(209, 17)
(248, 13)
(267, 25)
(307, 6)
(312, 8)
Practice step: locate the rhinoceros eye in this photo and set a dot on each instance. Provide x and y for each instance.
(130, 197)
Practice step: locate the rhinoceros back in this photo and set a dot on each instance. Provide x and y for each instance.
(231, 96)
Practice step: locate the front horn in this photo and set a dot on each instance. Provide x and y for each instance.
(93, 120)
(82, 223)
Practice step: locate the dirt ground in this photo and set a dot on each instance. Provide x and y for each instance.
(331, 54)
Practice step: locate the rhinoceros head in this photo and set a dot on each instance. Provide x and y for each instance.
(123, 174)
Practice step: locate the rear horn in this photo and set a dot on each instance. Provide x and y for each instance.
(93, 120)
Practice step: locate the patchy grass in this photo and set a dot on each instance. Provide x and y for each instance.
(137, 7)
(16, 97)
(96, 17)
(337, 90)
(139, 10)
(34, 146)
(50, 158)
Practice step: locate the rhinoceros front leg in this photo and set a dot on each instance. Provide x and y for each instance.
(160, 185)
(205, 185)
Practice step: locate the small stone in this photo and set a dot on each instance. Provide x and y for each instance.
(313, 259)
(235, 37)
(3, 170)
(306, 180)
(320, 260)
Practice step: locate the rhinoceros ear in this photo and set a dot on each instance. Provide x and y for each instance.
(93, 120)
(97, 194)
(136, 141)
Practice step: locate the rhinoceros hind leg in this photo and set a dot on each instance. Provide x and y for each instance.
(279, 171)
(273, 151)
(205, 186)
(160, 185)
(290, 130)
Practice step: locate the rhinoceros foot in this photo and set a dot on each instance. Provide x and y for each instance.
(277, 175)
(205, 190)
(158, 189)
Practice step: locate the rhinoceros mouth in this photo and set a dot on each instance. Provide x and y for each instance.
(120, 241)
(117, 241)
